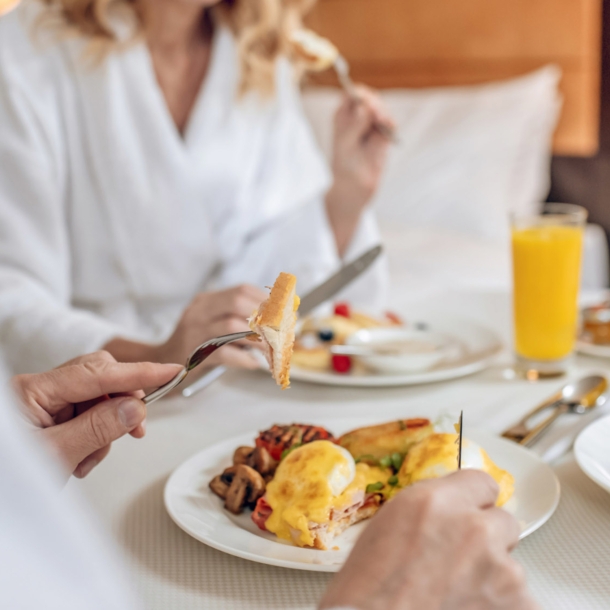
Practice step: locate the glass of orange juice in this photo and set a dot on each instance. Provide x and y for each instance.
(547, 253)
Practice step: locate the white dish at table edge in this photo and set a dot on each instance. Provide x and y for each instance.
(196, 510)
(481, 343)
(592, 452)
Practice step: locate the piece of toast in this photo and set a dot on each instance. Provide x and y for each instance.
(384, 439)
(274, 322)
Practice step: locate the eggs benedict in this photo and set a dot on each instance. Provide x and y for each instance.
(317, 492)
(436, 456)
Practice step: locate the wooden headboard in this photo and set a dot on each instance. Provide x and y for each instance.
(428, 43)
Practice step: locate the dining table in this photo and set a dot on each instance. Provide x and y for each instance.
(567, 560)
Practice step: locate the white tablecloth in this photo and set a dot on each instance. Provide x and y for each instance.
(567, 561)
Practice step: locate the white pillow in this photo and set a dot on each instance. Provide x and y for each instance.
(466, 157)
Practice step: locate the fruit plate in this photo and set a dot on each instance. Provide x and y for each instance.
(478, 347)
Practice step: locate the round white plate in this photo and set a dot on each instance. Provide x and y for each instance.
(590, 349)
(592, 452)
(200, 513)
(479, 346)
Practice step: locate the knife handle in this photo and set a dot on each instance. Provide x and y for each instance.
(520, 433)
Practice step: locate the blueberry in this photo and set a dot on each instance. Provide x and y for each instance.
(326, 334)
(421, 326)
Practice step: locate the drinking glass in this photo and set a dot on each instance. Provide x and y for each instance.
(547, 253)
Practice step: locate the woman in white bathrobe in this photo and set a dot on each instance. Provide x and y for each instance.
(145, 193)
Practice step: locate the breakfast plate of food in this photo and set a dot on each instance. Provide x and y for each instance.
(298, 495)
(352, 348)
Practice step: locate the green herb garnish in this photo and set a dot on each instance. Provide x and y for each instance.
(371, 488)
(368, 459)
(386, 461)
(290, 450)
(393, 480)
(402, 425)
(397, 459)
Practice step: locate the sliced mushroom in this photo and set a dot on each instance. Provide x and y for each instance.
(219, 487)
(228, 474)
(246, 488)
(220, 484)
(243, 455)
(262, 461)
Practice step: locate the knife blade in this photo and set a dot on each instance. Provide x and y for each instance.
(309, 302)
(339, 280)
(459, 427)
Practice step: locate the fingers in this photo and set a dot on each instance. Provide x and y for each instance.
(502, 527)
(95, 429)
(90, 462)
(227, 326)
(239, 302)
(99, 356)
(473, 487)
(358, 114)
(87, 380)
(234, 357)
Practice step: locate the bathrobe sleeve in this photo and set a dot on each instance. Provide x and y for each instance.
(290, 229)
(38, 326)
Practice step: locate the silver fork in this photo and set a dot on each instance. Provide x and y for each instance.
(194, 360)
(342, 69)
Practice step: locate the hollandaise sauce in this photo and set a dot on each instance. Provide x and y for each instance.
(436, 456)
(313, 483)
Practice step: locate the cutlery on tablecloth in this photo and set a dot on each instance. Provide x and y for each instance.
(309, 302)
(576, 397)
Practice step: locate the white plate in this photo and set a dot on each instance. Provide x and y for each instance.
(590, 349)
(200, 513)
(479, 346)
(592, 451)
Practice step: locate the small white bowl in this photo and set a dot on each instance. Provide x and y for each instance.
(410, 350)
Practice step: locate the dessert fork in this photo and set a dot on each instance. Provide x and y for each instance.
(193, 361)
(342, 69)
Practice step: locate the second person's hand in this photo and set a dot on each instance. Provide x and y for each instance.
(439, 545)
(80, 408)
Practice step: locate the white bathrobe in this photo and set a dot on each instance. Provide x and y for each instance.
(111, 221)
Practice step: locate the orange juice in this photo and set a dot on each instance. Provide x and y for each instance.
(546, 277)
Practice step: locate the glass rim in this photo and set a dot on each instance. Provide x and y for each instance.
(561, 212)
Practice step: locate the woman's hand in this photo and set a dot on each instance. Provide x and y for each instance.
(213, 314)
(83, 406)
(209, 315)
(359, 155)
(440, 545)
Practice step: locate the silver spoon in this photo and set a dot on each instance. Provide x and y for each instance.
(577, 397)
(194, 360)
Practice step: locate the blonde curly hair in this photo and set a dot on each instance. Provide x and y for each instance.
(261, 29)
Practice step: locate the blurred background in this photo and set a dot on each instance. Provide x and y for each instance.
(500, 106)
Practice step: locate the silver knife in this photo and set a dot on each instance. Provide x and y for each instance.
(309, 302)
(459, 440)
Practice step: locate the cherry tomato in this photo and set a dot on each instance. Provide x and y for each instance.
(342, 309)
(392, 317)
(341, 364)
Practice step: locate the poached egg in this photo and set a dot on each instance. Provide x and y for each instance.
(436, 456)
(310, 484)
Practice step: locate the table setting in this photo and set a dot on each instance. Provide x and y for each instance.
(184, 551)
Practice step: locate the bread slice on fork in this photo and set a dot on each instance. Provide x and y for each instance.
(274, 322)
